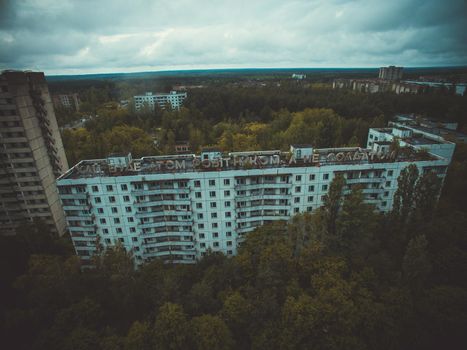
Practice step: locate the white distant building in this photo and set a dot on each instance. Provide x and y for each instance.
(299, 76)
(178, 207)
(174, 98)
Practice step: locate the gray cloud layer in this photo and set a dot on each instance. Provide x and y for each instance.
(91, 36)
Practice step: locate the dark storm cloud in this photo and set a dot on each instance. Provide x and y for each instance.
(103, 36)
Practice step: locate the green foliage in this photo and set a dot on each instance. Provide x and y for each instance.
(211, 332)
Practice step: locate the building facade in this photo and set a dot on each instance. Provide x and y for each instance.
(31, 153)
(68, 101)
(174, 98)
(177, 207)
(390, 73)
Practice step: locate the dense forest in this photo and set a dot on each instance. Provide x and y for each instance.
(343, 277)
(245, 118)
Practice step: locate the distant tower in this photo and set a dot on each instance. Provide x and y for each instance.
(390, 73)
(31, 153)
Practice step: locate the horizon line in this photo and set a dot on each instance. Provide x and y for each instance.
(237, 69)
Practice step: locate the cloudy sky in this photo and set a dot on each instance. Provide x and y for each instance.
(93, 36)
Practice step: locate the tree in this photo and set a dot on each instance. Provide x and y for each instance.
(404, 198)
(171, 327)
(416, 265)
(139, 337)
(426, 195)
(355, 227)
(211, 332)
(331, 206)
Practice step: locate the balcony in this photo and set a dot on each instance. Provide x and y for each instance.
(164, 223)
(149, 192)
(81, 195)
(361, 180)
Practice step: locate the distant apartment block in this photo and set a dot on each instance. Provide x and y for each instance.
(67, 101)
(174, 98)
(298, 76)
(31, 153)
(391, 73)
(178, 207)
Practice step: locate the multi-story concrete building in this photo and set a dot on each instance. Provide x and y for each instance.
(31, 153)
(177, 207)
(68, 101)
(174, 98)
(390, 73)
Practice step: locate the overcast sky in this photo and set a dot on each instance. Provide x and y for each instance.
(93, 36)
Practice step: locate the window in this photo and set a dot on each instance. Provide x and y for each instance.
(134, 239)
(310, 198)
(119, 230)
(213, 205)
(229, 252)
(197, 194)
(296, 210)
(229, 243)
(296, 200)
(390, 172)
(216, 244)
(103, 221)
(212, 194)
(215, 225)
(200, 216)
(228, 234)
(112, 199)
(226, 193)
(226, 182)
(100, 210)
(124, 187)
(228, 214)
(324, 187)
(130, 219)
(200, 225)
(215, 234)
(128, 209)
(202, 245)
(213, 215)
(311, 188)
(197, 183)
(228, 224)
(95, 189)
(212, 182)
(309, 208)
(132, 229)
(97, 200)
(105, 231)
(298, 178)
(201, 235)
(325, 176)
(312, 177)
(109, 188)
(386, 194)
(126, 198)
(227, 204)
(116, 220)
(114, 210)
(107, 241)
(388, 183)
(298, 189)
(199, 205)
